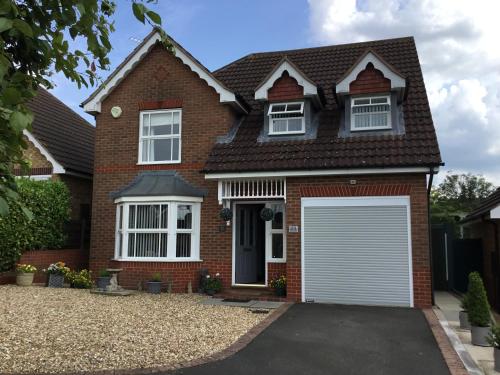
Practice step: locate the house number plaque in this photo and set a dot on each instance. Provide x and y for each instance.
(293, 229)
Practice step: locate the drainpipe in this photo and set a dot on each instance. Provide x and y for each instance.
(429, 228)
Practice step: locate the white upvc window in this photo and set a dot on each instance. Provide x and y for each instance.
(276, 234)
(160, 137)
(286, 118)
(370, 113)
(158, 231)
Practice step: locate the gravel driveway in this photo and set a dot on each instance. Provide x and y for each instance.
(57, 330)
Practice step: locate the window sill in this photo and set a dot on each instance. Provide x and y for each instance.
(150, 260)
(275, 260)
(287, 133)
(373, 128)
(158, 162)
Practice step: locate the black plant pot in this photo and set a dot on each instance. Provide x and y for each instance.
(154, 287)
(210, 292)
(280, 292)
(103, 282)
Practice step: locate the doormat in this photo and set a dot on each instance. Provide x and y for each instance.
(242, 300)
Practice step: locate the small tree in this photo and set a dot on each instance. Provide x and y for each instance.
(477, 302)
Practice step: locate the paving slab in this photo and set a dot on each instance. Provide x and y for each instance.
(250, 304)
(266, 304)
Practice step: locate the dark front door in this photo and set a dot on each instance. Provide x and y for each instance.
(248, 244)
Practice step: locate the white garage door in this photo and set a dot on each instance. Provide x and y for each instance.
(357, 251)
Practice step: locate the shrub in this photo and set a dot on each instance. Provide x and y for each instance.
(212, 283)
(104, 273)
(464, 303)
(278, 282)
(494, 336)
(156, 277)
(49, 202)
(80, 280)
(477, 302)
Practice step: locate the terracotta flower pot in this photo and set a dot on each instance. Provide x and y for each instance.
(479, 335)
(24, 278)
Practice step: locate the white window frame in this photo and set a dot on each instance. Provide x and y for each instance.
(171, 230)
(171, 136)
(271, 119)
(269, 235)
(389, 117)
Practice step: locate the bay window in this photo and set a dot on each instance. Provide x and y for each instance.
(157, 231)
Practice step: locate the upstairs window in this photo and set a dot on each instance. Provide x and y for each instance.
(286, 118)
(160, 137)
(371, 113)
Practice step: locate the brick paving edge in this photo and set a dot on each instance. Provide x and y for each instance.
(453, 361)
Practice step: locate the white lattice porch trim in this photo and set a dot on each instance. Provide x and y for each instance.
(256, 188)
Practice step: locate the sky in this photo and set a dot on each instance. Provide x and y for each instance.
(457, 42)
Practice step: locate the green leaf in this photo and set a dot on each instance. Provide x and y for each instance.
(23, 27)
(154, 17)
(5, 6)
(11, 96)
(139, 10)
(20, 121)
(27, 212)
(6, 24)
(4, 207)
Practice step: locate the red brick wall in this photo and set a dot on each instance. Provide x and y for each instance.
(285, 88)
(74, 258)
(80, 190)
(412, 185)
(370, 81)
(159, 80)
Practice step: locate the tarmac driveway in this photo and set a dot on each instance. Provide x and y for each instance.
(334, 339)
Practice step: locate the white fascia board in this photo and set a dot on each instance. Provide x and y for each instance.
(56, 167)
(320, 172)
(309, 88)
(166, 198)
(94, 105)
(495, 212)
(396, 80)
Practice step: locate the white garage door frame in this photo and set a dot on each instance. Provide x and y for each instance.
(351, 202)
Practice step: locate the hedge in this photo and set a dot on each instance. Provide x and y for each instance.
(49, 202)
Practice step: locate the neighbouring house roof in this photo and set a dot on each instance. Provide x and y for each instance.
(159, 183)
(93, 103)
(326, 66)
(485, 207)
(63, 134)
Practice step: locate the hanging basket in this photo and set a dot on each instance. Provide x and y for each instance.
(226, 214)
(266, 214)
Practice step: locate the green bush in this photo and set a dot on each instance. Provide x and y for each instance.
(477, 302)
(80, 280)
(49, 202)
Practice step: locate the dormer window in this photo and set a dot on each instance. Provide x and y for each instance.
(370, 113)
(286, 118)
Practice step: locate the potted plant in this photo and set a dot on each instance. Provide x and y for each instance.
(154, 285)
(80, 280)
(279, 285)
(463, 316)
(478, 310)
(56, 272)
(212, 285)
(25, 274)
(103, 279)
(494, 340)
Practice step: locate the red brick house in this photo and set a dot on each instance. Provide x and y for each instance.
(336, 141)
